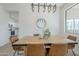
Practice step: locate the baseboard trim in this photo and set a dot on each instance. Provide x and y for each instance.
(3, 43)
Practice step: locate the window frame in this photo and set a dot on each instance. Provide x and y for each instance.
(65, 25)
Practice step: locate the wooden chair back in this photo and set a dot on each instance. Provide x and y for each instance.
(74, 38)
(35, 50)
(13, 39)
(58, 50)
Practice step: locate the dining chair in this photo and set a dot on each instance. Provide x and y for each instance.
(35, 50)
(72, 46)
(14, 39)
(58, 50)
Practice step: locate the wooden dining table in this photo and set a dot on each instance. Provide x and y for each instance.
(37, 40)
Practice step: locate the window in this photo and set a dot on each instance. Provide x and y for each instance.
(72, 26)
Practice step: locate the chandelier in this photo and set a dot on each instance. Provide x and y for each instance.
(49, 6)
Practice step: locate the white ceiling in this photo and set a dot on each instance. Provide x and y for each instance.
(10, 6)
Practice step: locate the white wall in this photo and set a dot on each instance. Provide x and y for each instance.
(4, 20)
(27, 20)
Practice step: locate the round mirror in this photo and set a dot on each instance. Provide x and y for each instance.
(41, 23)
